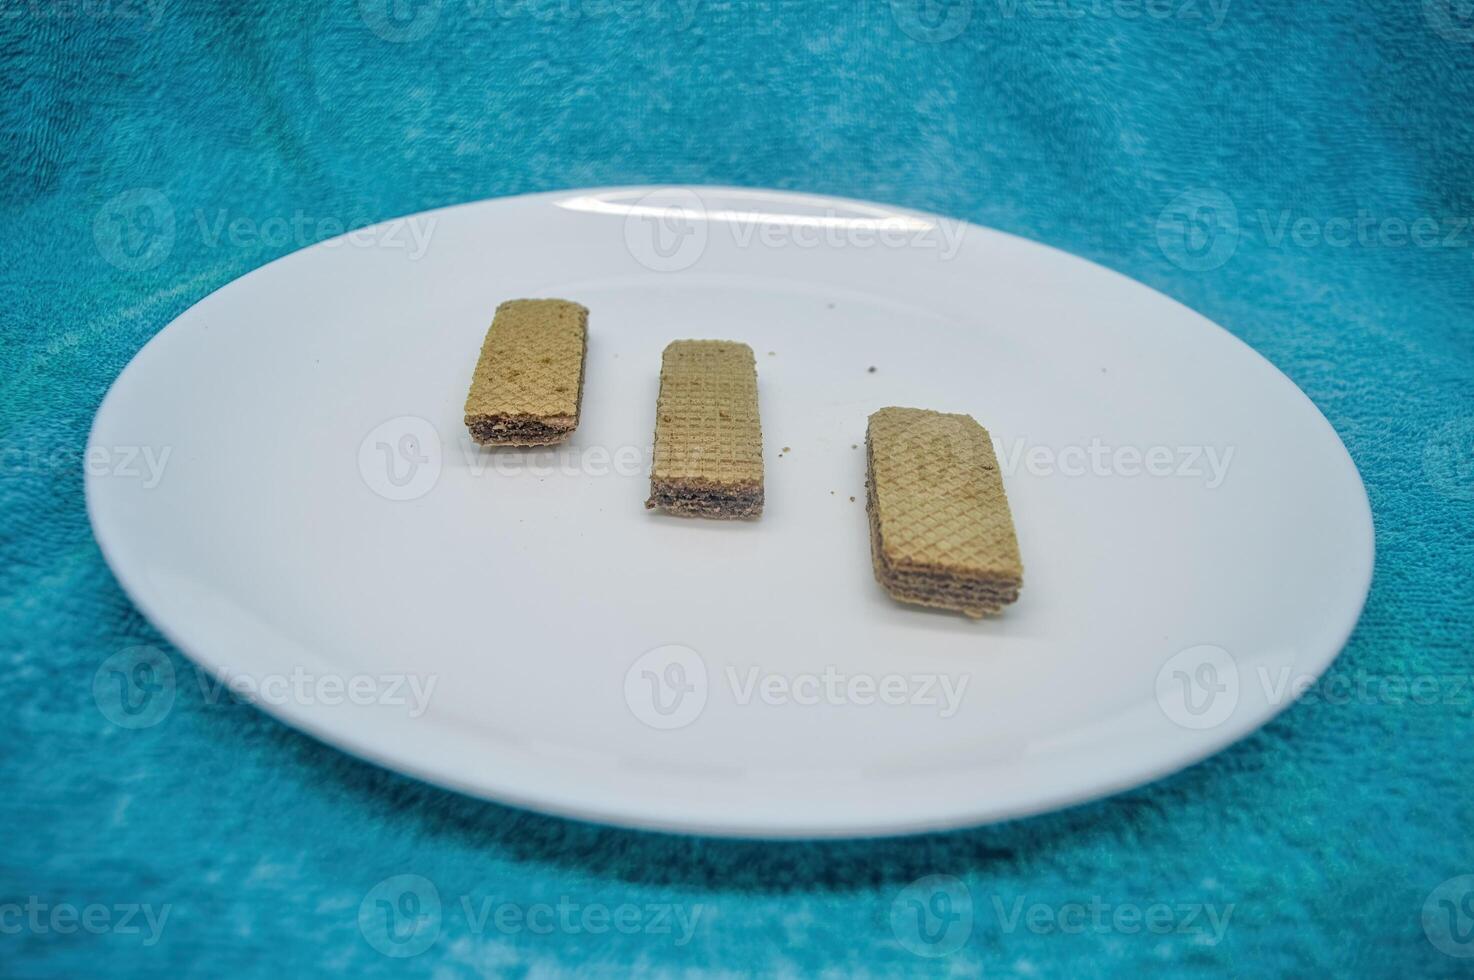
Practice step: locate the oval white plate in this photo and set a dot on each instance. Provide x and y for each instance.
(282, 482)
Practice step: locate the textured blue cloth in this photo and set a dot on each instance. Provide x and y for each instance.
(1267, 163)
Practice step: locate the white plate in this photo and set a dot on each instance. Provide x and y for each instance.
(577, 654)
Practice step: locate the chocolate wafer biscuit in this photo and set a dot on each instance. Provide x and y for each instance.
(529, 381)
(940, 530)
(708, 438)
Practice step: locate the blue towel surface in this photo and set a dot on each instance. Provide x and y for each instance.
(1302, 173)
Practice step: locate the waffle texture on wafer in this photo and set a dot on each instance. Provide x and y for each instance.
(708, 437)
(529, 379)
(940, 530)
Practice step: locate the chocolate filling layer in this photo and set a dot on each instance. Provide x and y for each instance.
(706, 500)
(501, 430)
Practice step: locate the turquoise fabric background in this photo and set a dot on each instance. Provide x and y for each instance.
(1299, 172)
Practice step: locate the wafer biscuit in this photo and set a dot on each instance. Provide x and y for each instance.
(528, 383)
(708, 437)
(940, 530)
